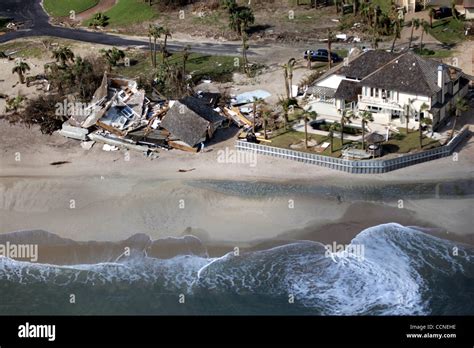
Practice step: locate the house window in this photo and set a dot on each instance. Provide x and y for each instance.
(376, 92)
(389, 94)
(371, 92)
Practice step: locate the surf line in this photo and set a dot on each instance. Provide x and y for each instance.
(19, 251)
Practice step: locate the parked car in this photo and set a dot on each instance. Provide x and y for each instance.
(443, 12)
(321, 55)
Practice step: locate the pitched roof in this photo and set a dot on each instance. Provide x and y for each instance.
(348, 90)
(188, 119)
(364, 64)
(468, 3)
(202, 109)
(408, 73)
(321, 91)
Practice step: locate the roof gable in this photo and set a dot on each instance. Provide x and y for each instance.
(407, 73)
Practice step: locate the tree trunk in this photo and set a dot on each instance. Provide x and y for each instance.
(22, 77)
(306, 132)
(421, 40)
(265, 128)
(454, 125)
(411, 35)
(163, 51)
(254, 116)
(363, 135)
(342, 133)
(332, 140)
(421, 137)
(151, 51)
(329, 53)
(287, 89)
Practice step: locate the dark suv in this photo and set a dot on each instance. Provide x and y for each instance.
(444, 12)
(321, 55)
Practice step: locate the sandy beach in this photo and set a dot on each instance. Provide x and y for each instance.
(100, 196)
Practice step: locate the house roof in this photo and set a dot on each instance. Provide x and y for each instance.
(468, 4)
(348, 90)
(201, 108)
(188, 120)
(321, 91)
(364, 64)
(410, 73)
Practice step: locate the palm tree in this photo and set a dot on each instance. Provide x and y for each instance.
(245, 47)
(453, 10)
(307, 115)
(346, 117)
(80, 69)
(431, 13)
(461, 106)
(366, 117)
(285, 105)
(335, 126)
(407, 115)
(154, 31)
(424, 27)
(266, 113)
(112, 56)
(330, 38)
(63, 55)
(291, 64)
(423, 122)
(415, 24)
(167, 33)
(21, 68)
(396, 33)
(186, 54)
(256, 103)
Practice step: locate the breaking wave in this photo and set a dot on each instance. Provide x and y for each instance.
(403, 271)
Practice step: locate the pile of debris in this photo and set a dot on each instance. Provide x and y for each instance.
(121, 116)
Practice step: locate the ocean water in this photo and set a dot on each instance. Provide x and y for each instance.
(403, 271)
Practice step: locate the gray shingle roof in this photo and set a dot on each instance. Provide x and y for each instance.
(326, 92)
(189, 119)
(348, 90)
(408, 73)
(366, 63)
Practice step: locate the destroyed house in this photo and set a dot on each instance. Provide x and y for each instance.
(191, 121)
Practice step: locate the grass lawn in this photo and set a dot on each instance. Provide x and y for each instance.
(286, 139)
(401, 143)
(217, 68)
(448, 31)
(129, 12)
(24, 50)
(434, 54)
(61, 8)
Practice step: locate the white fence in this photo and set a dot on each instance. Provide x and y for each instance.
(354, 166)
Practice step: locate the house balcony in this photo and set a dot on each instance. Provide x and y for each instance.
(386, 105)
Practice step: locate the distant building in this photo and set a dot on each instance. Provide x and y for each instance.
(391, 86)
(469, 6)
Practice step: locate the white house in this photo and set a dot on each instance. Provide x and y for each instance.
(469, 7)
(392, 86)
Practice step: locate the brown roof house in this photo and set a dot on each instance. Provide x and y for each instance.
(392, 86)
(469, 7)
(191, 121)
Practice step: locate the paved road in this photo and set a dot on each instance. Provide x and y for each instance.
(36, 24)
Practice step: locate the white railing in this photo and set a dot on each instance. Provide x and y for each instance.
(361, 166)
